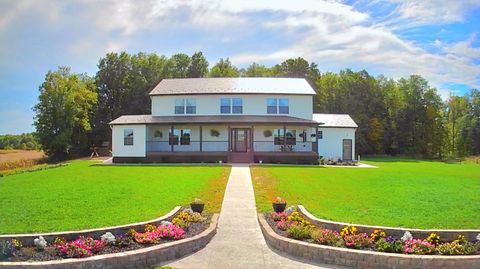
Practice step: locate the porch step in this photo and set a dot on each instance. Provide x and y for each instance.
(241, 157)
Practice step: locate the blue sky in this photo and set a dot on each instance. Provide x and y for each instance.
(439, 40)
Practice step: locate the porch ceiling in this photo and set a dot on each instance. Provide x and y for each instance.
(224, 119)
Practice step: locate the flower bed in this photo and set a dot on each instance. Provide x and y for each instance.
(293, 225)
(182, 225)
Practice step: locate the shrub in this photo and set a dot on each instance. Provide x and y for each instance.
(358, 241)
(389, 244)
(80, 248)
(6, 249)
(17, 244)
(418, 246)
(377, 234)
(433, 238)
(327, 237)
(108, 238)
(406, 236)
(170, 232)
(455, 248)
(279, 216)
(348, 230)
(299, 232)
(40, 243)
(122, 240)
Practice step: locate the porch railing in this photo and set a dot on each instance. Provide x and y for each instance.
(153, 146)
(269, 146)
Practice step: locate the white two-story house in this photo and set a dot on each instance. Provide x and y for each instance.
(267, 120)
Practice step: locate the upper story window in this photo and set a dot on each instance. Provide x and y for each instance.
(128, 137)
(185, 106)
(231, 105)
(277, 106)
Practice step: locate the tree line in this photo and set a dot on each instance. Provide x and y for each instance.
(405, 116)
(26, 141)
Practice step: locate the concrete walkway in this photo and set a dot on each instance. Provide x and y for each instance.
(239, 242)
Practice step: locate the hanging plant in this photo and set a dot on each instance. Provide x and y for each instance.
(158, 133)
(267, 133)
(214, 133)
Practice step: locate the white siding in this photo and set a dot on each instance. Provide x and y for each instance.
(300, 106)
(331, 145)
(135, 150)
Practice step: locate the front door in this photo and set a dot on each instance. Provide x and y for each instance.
(347, 149)
(240, 139)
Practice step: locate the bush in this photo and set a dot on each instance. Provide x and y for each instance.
(418, 246)
(389, 244)
(358, 241)
(299, 231)
(455, 248)
(328, 237)
(6, 249)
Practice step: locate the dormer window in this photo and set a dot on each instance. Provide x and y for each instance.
(231, 106)
(185, 106)
(277, 106)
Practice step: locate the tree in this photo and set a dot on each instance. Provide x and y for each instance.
(257, 70)
(64, 111)
(224, 68)
(178, 66)
(198, 67)
(297, 68)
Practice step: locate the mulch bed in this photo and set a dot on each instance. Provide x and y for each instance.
(50, 252)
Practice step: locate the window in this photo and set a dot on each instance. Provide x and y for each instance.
(185, 137)
(128, 137)
(179, 106)
(237, 106)
(185, 106)
(271, 105)
(282, 106)
(225, 105)
(173, 138)
(279, 137)
(191, 106)
(231, 105)
(179, 135)
(320, 134)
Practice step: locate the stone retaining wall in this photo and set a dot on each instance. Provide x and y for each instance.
(361, 258)
(140, 258)
(445, 235)
(27, 239)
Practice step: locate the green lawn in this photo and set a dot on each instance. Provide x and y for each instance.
(401, 192)
(82, 195)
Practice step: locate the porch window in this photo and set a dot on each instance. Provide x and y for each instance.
(272, 105)
(179, 135)
(173, 137)
(237, 106)
(128, 137)
(185, 137)
(283, 106)
(320, 134)
(290, 137)
(225, 105)
(179, 106)
(191, 106)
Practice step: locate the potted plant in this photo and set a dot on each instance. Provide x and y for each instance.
(279, 204)
(197, 205)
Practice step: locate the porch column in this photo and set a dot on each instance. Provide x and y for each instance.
(201, 138)
(315, 148)
(252, 145)
(284, 137)
(171, 138)
(229, 147)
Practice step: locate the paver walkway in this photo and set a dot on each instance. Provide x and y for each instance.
(239, 242)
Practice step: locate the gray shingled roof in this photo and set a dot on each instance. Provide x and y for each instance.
(335, 120)
(242, 119)
(233, 86)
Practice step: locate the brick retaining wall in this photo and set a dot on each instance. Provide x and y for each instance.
(27, 239)
(362, 258)
(140, 258)
(445, 235)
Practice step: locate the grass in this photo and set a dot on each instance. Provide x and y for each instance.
(82, 195)
(401, 192)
